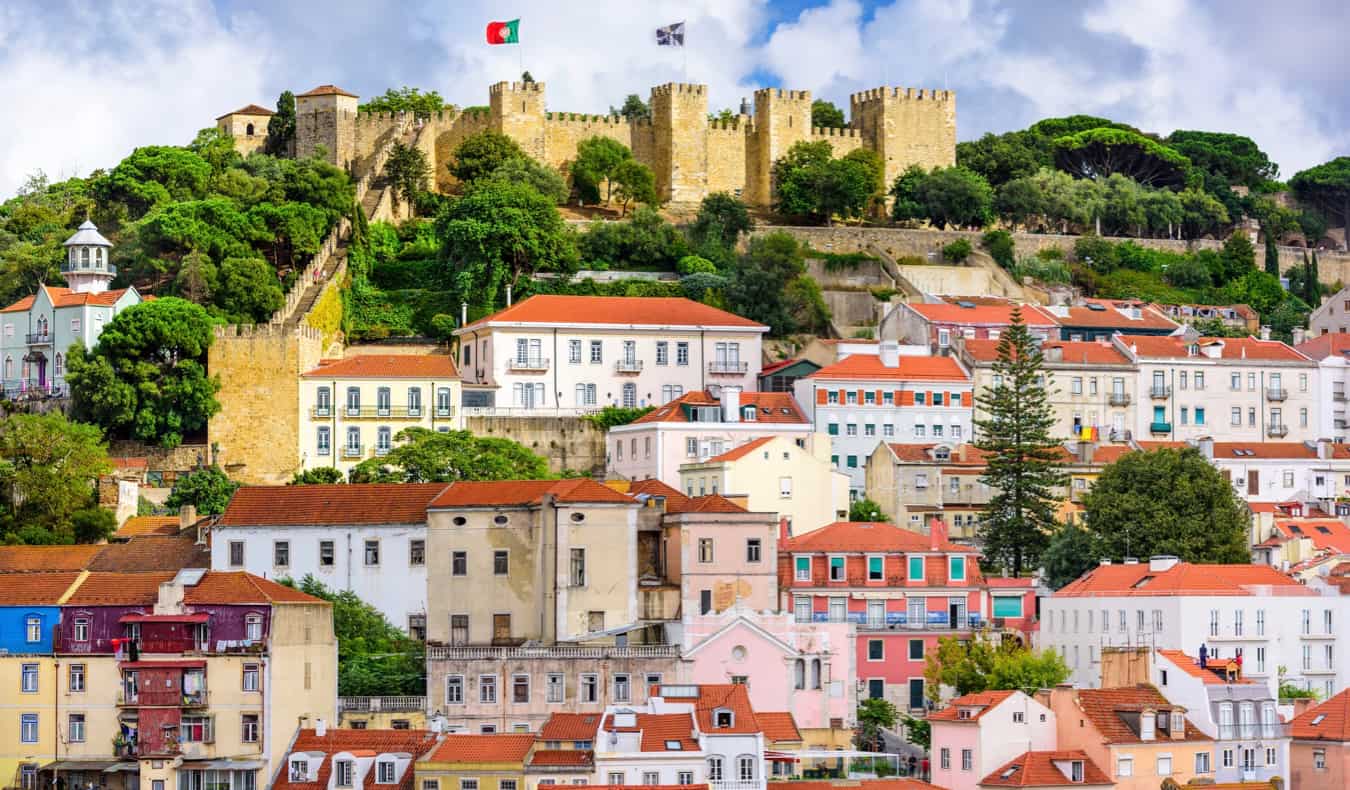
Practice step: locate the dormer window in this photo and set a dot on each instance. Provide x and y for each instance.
(385, 772)
(1076, 771)
(748, 413)
(299, 770)
(253, 627)
(1147, 726)
(1178, 723)
(343, 770)
(723, 718)
(965, 713)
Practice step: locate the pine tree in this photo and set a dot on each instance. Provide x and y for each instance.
(1024, 464)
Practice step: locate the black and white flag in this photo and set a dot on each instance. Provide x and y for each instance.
(670, 35)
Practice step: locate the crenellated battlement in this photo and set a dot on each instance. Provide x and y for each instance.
(679, 87)
(498, 88)
(917, 94)
(830, 131)
(780, 93)
(739, 123)
(235, 331)
(587, 119)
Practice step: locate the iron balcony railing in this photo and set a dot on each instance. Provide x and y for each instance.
(1160, 391)
(628, 366)
(67, 268)
(1277, 430)
(734, 368)
(376, 704)
(1119, 399)
(462, 653)
(527, 363)
(1338, 395)
(1276, 394)
(1160, 427)
(352, 451)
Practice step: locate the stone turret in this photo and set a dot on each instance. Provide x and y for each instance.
(518, 112)
(326, 116)
(680, 141)
(87, 268)
(907, 126)
(782, 119)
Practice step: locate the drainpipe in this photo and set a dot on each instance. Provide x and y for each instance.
(349, 560)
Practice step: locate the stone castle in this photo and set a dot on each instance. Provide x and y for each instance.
(690, 155)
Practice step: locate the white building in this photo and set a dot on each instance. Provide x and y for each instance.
(700, 425)
(369, 539)
(1272, 619)
(1279, 472)
(1332, 352)
(580, 353)
(1332, 317)
(983, 731)
(865, 399)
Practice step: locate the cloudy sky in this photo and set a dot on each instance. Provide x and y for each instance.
(85, 82)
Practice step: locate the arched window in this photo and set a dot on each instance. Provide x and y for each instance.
(745, 768)
(42, 325)
(98, 257)
(714, 769)
(253, 627)
(443, 402)
(248, 130)
(383, 440)
(325, 440)
(59, 368)
(353, 401)
(799, 674)
(815, 673)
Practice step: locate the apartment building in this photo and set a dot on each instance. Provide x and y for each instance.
(1271, 619)
(1089, 384)
(1135, 734)
(1332, 353)
(1102, 319)
(492, 761)
(369, 539)
(864, 400)
(352, 409)
(901, 590)
(322, 757)
(1314, 472)
(1267, 390)
(700, 425)
(552, 354)
(774, 475)
(976, 733)
(1235, 316)
(1251, 743)
(938, 324)
(1046, 770)
(1320, 743)
(1332, 317)
(917, 483)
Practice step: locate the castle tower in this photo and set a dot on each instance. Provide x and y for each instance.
(907, 126)
(782, 119)
(326, 116)
(87, 268)
(518, 112)
(680, 141)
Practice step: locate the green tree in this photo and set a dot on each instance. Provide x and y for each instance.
(598, 160)
(956, 196)
(523, 170)
(151, 176)
(497, 233)
(1167, 502)
(1004, 158)
(147, 376)
(1099, 152)
(249, 291)
(1272, 255)
(425, 456)
(907, 194)
(864, 509)
(721, 219)
(1238, 256)
(1028, 671)
(1188, 272)
(769, 285)
(197, 278)
(1231, 157)
(1326, 187)
(207, 489)
(999, 245)
(874, 715)
(215, 147)
(644, 240)
(826, 116)
(374, 657)
(918, 732)
(957, 251)
(93, 524)
(795, 175)
(633, 182)
(1023, 467)
(614, 416)
(408, 171)
(405, 99)
(481, 153)
(962, 666)
(634, 109)
(281, 126)
(319, 475)
(1201, 213)
(48, 470)
(1069, 555)
(1313, 282)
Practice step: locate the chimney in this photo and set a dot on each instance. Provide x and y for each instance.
(1301, 705)
(889, 352)
(1054, 353)
(1299, 335)
(320, 728)
(731, 404)
(187, 516)
(1324, 449)
(784, 531)
(508, 295)
(1161, 562)
(1130, 561)
(937, 533)
(1206, 446)
(170, 599)
(1265, 333)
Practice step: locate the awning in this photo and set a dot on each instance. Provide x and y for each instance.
(223, 765)
(118, 767)
(79, 765)
(782, 757)
(163, 664)
(186, 617)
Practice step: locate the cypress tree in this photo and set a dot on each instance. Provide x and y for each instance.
(1272, 255)
(1023, 459)
(1313, 287)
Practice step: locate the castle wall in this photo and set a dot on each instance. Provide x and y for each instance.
(782, 119)
(334, 130)
(238, 127)
(518, 112)
(727, 155)
(680, 142)
(841, 140)
(562, 132)
(566, 442)
(447, 131)
(907, 126)
(373, 131)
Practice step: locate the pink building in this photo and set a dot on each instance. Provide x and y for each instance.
(902, 590)
(1044, 770)
(978, 733)
(1320, 751)
(936, 324)
(720, 554)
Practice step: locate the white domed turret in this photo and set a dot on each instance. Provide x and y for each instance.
(88, 268)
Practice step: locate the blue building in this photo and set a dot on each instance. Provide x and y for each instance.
(29, 611)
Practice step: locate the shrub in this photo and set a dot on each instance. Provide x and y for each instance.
(884, 294)
(694, 264)
(957, 251)
(1042, 270)
(999, 245)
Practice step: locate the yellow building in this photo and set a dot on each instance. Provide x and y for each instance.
(774, 475)
(351, 409)
(476, 762)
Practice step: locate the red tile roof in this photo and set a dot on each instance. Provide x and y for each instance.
(741, 451)
(522, 493)
(570, 727)
(1103, 707)
(714, 696)
(1331, 344)
(388, 366)
(1009, 582)
(654, 487)
(1149, 317)
(982, 702)
(1212, 674)
(496, 748)
(623, 310)
(37, 589)
(1038, 769)
(119, 589)
(19, 559)
(779, 365)
(370, 503)
(771, 408)
(712, 503)
(250, 109)
(779, 726)
(868, 367)
(960, 455)
(855, 536)
(1231, 348)
(153, 553)
(562, 757)
(149, 525)
(64, 297)
(372, 742)
(1230, 450)
(231, 587)
(1184, 578)
(991, 314)
(658, 730)
(1325, 533)
(865, 784)
(1332, 721)
(1072, 352)
(326, 90)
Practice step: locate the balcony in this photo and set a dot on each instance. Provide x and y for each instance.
(1160, 427)
(467, 653)
(1338, 395)
(1160, 391)
(39, 338)
(1277, 430)
(378, 704)
(1118, 399)
(353, 450)
(1276, 394)
(527, 364)
(371, 412)
(80, 268)
(162, 698)
(728, 368)
(628, 366)
(1340, 423)
(733, 784)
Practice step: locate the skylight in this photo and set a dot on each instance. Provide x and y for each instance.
(1318, 719)
(1142, 582)
(1009, 771)
(675, 746)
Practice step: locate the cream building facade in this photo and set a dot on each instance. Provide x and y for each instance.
(576, 354)
(353, 409)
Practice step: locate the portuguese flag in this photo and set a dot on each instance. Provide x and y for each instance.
(504, 32)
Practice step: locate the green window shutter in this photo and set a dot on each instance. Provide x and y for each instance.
(1007, 606)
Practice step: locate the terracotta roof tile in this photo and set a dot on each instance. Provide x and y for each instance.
(1184, 578)
(654, 487)
(659, 730)
(37, 589)
(1149, 317)
(624, 310)
(1230, 450)
(314, 505)
(866, 784)
(388, 366)
(1103, 707)
(119, 589)
(562, 757)
(1331, 344)
(1332, 721)
(779, 726)
(1330, 534)
(18, 559)
(570, 727)
(1038, 769)
(771, 407)
(990, 314)
(326, 90)
(868, 367)
(248, 109)
(64, 297)
(414, 742)
(741, 451)
(855, 536)
(714, 696)
(973, 705)
(779, 365)
(712, 503)
(521, 493)
(1212, 674)
(153, 553)
(960, 455)
(1231, 348)
(505, 747)
(227, 587)
(149, 525)
(1072, 352)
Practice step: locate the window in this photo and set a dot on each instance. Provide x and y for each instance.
(916, 569)
(501, 563)
(28, 728)
(590, 688)
(76, 678)
(745, 768)
(752, 550)
(555, 689)
(323, 402)
(622, 688)
(417, 552)
(803, 568)
(75, 728)
(353, 447)
(1237, 415)
(1164, 765)
(384, 772)
(33, 629)
(1202, 762)
(487, 688)
(615, 778)
(837, 571)
(236, 554)
(876, 569)
(705, 549)
(596, 351)
(281, 553)
(195, 729)
(384, 440)
(253, 627)
(1320, 759)
(574, 352)
(459, 563)
(468, 783)
(250, 677)
(324, 440)
(326, 553)
(28, 679)
(682, 353)
(1124, 766)
(945, 758)
(967, 759)
(851, 429)
(662, 352)
(520, 688)
(343, 769)
(852, 462)
(956, 569)
(686, 777)
(876, 650)
(443, 403)
(454, 690)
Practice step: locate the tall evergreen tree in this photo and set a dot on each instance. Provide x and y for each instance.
(1312, 284)
(1024, 464)
(1272, 255)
